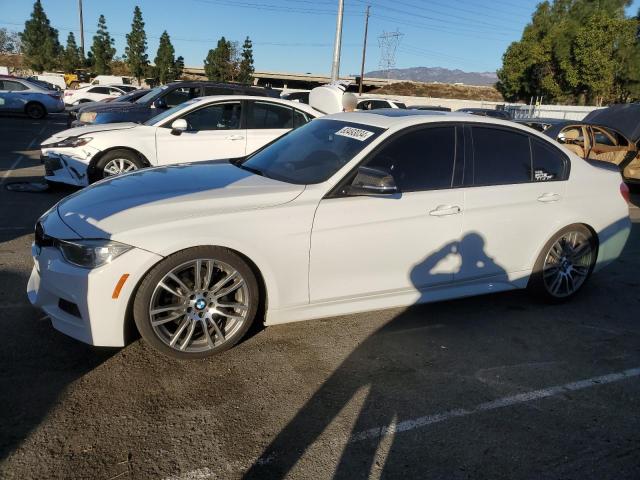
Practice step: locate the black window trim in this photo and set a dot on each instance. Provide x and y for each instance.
(336, 191)
(470, 162)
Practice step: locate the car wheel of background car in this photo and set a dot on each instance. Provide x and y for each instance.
(565, 264)
(196, 303)
(116, 162)
(35, 110)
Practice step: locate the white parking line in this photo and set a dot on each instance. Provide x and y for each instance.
(15, 164)
(503, 402)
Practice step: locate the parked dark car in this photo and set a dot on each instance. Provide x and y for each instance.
(609, 135)
(488, 112)
(433, 108)
(76, 111)
(164, 97)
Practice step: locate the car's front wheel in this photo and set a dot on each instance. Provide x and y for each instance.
(565, 264)
(197, 302)
(116, 162)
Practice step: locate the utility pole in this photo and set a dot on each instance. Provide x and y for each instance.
(335, 66)
(81, 28)
(364, 49)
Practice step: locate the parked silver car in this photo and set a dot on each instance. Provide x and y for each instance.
(18, 95)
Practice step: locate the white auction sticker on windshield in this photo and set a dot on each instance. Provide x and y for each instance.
(355, 133)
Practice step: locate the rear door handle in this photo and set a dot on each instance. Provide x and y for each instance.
(442, 210)
(549, 197)
(235, 137)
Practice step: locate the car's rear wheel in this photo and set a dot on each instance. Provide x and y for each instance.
(35, 110)
(196, 303)
(565, 264)
(116, 162)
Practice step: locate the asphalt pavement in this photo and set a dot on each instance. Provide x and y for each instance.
(489, 387)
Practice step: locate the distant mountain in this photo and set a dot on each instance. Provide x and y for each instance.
(437, 74)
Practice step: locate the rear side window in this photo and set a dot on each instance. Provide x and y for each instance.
(269, 115)
(549, 163)
(14, 86)
(501, 157)
(300, 118)
(423, 159)
(102, 90)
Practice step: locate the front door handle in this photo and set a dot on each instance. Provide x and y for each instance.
(442, 210)
(235, 137)
(549, 197)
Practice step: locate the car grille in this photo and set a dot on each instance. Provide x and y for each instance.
(41, 239)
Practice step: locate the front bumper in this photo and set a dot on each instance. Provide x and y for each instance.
(63, 168)
(79, 301)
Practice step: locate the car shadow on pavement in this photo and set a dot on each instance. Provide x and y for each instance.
(410, 383)
(37, 364)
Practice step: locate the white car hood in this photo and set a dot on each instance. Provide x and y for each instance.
(76, 132)
(169, 194)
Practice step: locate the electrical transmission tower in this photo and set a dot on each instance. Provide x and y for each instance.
(389, 43)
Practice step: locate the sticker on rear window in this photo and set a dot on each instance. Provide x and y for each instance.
(542, 176)
(355, 133)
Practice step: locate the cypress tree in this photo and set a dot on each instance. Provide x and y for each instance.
(71, 57)
(136, 49)
(246, 64)
(165, 59)
(102, 49)
(40, 43)
(217, 65)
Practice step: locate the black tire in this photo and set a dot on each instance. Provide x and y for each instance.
(145, 292)
(539, 283)
(35, 110)
(98, 172)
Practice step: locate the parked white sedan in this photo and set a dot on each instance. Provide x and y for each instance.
(349, 213)
(205, 128)
(95, 93)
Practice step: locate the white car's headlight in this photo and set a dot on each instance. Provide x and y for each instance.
(88, 117)
(91, 253)
(69, 142)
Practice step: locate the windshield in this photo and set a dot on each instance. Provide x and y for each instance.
(312, 153)
(151, 95)
(170, 111)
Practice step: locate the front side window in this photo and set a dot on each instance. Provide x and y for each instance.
(423, 159)
(264, 115)
(14, 86)
(312, 153)
(501, 157)
(220, 116)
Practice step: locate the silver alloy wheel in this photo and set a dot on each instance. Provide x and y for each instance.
(118, 166)
(567, 264)
(199, 305)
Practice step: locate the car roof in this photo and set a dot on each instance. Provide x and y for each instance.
(550, 121)
(222, 98)
(399, 118)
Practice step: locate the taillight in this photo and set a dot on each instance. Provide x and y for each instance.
(68, 94)
(624, 191)
(54, 95)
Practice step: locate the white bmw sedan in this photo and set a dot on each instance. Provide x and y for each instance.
(352, 212)
(205, 128)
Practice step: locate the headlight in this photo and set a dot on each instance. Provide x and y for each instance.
(91, 253)
(88, 117)
(69, 142)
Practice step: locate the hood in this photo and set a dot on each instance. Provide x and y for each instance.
(88, 129)
(167, 194)
(624, 118)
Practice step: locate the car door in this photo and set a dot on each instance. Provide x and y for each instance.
(214, 131)
(266, 121)
(386, 244)
(514, 182)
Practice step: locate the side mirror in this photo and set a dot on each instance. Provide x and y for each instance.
(371, 181)
(178, 126)
(160, 103)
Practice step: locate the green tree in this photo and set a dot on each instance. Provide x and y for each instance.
(165, 60)
(136, 50)
(178, 68)
(40, 43)
(245, 71)
(102, 49)
(218, 65)
(71, 57)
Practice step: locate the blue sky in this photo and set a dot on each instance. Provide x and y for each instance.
(297, 35)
